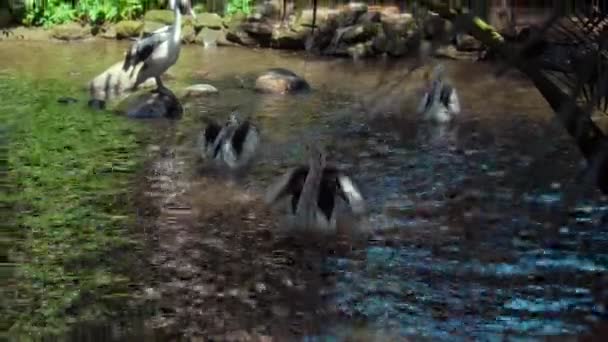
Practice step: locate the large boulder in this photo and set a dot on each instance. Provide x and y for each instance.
(323, 16)
(361, 50)
(251, 33)
(151, 105)
(209, 37)
(115, 82)
(209, 20)
(151, 26)
(283, 38)
(359, 33)
(280, 81)
(200, 90)
(128, 28)
(161, 16)
(239, 36)
(369, 17)
(351, 14)
(70, 31)
(465, 42)
(188, 34)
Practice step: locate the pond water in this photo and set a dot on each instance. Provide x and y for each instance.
(481, 230)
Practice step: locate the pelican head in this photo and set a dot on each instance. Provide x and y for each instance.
(184, 7)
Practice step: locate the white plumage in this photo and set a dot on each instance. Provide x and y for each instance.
(235, 144)
(440, 103)
(160, 50)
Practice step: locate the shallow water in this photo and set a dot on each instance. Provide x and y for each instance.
(480, 231)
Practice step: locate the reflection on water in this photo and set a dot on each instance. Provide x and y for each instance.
(480, 228)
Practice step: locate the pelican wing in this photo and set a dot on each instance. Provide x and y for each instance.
(454, 102)
(239, 135)
(208, 138)
(352, 195)
(283, 186)
(141, 49)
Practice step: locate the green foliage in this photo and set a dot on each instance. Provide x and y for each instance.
(238, 6)
(52, 12)
(71, 169)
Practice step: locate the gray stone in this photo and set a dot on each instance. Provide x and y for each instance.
(70, 31)
(209, 20)
(198, 90)
(209, 37)
(149, 105)
(287, 39)
(280, 81)
(465, 42)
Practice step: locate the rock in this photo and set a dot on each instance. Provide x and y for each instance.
(209, 20)
(361, 50)
(322, 37)
(369, 18)
(261, 28)
(70, 31)
(151, 26)
(128, 29)
(239, 36)
(398, 24)
(287, 39)
(209, 37)
(448, 51)
(149, 105)
(162, 16)
(359, 33)
(114, 82)
(199, 90)
(465, 42)
(397, 46)
(188, 34)
(438, 29)
(280, 81)
(108, 32)
(323, 16)
(380, 42)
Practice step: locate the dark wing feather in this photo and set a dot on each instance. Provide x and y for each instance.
(212, 131)
(291, 182)
(238, 138)
(142, 49)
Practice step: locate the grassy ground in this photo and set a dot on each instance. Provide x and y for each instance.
(70, 171)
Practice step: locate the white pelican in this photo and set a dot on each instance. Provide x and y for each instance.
(160, 50)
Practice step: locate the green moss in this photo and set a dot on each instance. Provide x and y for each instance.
(71, 170)
(128, 28)
(162, 16)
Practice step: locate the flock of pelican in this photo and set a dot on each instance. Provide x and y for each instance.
(314, 188)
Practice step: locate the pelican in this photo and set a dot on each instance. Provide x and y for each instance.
(234, 144)
(314, 190)
(440, 103)
(160, 50)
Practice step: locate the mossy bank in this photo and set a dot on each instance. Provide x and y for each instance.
(71, 172)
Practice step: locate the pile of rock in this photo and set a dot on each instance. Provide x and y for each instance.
(356, 31)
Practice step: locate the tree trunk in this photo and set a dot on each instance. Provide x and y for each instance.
(588, 137)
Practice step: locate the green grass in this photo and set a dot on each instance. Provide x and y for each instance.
(71, 172)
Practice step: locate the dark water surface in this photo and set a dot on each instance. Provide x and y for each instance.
(480, 230)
